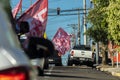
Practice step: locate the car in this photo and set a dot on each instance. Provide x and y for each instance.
(14, 63)
(55, 59)
(81, 54)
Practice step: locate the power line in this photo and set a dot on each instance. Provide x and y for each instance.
(67, 10)
(65, 14)
(71, 10)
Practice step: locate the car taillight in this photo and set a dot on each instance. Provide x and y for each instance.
(20, 73)
(72, 53)
(59, 54)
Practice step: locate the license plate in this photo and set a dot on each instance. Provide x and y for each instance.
(82, 58)
(50, 60)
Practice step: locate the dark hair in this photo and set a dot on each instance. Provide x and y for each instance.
(24, 27)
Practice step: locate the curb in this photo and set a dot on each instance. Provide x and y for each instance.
(111, 71)
(115, 74)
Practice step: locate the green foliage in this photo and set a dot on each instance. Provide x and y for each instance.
(105, 21)
(101, 3)
(113, 19)
(97, 17)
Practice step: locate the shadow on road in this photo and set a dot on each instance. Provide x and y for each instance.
(66, 76)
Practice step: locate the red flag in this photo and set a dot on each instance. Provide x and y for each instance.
(61, 41)
(36, 16)
(17, 8)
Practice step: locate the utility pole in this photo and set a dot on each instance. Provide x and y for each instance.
(97, 53)
(74, 31)
(97, 43)
(85, 25)
(79, 27)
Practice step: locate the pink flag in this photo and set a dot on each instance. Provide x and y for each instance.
(17, 8)
(36, 16)
(61, 41)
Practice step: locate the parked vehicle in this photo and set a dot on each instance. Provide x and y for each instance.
(14, 63)
(55, 59)
(81, 54)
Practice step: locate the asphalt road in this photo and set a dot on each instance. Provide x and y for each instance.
(75, 73)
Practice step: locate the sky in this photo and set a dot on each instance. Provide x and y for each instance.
(54, 22)
(57, 21)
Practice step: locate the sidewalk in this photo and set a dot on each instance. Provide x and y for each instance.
(112, 70)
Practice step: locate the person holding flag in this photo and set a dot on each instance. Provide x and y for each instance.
(36, 47)
(36, 16)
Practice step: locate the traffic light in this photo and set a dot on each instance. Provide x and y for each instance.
(58, 11)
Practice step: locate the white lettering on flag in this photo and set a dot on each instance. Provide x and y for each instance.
(36, 16)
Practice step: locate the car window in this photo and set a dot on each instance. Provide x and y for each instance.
(81, 47)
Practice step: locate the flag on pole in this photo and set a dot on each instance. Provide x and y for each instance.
(36, 16)
(61, 41)
(17, 8)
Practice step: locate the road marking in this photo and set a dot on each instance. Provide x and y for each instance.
(49, 72)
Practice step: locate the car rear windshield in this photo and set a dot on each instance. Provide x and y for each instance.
(82, 47)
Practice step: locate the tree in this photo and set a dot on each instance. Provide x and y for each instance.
(113, 19)
(99, 25)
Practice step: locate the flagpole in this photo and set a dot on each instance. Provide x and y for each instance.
(21, 10)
